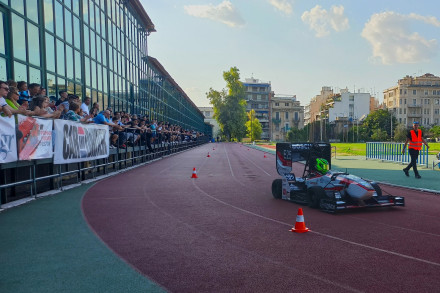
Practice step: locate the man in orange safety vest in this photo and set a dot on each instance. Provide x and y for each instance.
(414, 140)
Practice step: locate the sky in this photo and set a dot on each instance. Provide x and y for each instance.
(297, 45)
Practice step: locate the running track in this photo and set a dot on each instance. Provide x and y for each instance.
(224, 232)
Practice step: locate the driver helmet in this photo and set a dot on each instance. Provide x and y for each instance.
(321, 165)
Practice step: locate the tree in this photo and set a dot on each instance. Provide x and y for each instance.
(400, 133)
(379, 135)
(297, 135)
(380, 119)
(253, 125)
(230, 106)
(436, 131)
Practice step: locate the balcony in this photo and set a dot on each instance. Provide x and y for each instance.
(414, 115)
(414, 106)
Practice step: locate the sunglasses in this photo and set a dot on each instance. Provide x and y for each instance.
(5, 88)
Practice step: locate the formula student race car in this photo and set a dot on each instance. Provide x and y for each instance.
(320, 187)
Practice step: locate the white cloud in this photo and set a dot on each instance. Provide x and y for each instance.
(225, 13)
(321, 20)
(393, 41)
(282, 5)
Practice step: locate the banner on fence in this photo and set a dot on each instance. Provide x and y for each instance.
(8, 142)
(34, 136)
(76, 142)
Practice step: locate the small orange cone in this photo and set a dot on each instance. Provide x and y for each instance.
(300, 225)
(265, 155)
(194, 174)
(208, 155)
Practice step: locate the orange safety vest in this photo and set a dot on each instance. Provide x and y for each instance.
(416, 140)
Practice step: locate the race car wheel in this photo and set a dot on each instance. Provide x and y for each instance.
(277, 188)
(315, 193)
(377, 188)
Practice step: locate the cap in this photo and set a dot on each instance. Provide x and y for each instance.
(416, 122)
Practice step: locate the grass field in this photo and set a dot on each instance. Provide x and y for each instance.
(359, 149)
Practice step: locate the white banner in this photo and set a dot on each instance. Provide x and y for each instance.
(77, 142)
(34, 138)
(8, 141)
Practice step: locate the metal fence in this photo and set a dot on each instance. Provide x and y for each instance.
(392, 152)
(22, 179)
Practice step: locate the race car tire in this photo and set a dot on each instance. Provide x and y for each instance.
(315, 193)
(277, 188)
(377, 188)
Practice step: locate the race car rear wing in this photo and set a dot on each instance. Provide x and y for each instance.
(286, 153)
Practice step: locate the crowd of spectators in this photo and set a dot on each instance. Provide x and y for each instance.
(125, 129)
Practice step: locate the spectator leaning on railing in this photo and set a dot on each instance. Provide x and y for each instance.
(12, 100)
(39, 105)
(73, 114)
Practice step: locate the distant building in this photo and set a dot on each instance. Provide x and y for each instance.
(209, 118)
(415, 99)
(286, 112)
(258, 95)
(348, 105)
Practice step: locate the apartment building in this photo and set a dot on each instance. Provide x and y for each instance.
(258, 96)
(415, 99)
(208, 112)
(286, 112)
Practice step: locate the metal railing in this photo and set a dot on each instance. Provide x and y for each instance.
(22, 179)
(392, 152)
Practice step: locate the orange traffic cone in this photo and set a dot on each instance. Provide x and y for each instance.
(194, 174)
(208, 155)
(300, 226)
(265, 155)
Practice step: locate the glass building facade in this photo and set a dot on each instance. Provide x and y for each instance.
(94, 48)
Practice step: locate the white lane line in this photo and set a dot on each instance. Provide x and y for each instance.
(322, 234)
(300, 271)
(257, 166)
(229, 162)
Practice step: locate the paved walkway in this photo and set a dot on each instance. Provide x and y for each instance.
(383, 172)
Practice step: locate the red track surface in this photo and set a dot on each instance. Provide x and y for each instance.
(224, 232)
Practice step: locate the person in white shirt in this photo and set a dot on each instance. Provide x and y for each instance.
(85, 106)
(4, 107)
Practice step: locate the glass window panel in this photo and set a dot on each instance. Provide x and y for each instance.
(69, 62)
(78, 90)
(20, 71)
(88, 94)
(70, 87)
(68, 3)
(87, 71)
(86, 41)
(68, 26)
(4, 1)
(59, 18)
(86, 11)
(18, 5)
(60, 58)
(78, 66)
(111, 83)
(110, 58)
(99, 77)
(77, 34)
(92, 15)
(48, 15)
(32, 10)
(18, 33)
(98, 21)
(104, 52)
(51, 85)
(102, 24)
(2, 36)
(75, 6)
(34, 75)
(104, 80)
(98, 49)
(50, 53)
(33, 44)
(94, 96)
(93, 73)
(3, 69)
(61, 82)
(92, 45)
